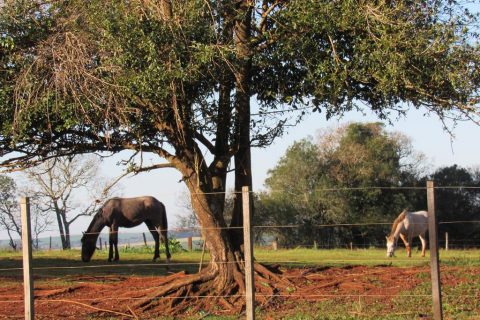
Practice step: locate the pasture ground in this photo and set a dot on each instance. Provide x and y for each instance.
(326, 284)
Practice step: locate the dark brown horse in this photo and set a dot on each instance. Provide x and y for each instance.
(127, 213)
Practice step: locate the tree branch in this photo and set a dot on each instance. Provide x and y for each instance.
(200, 137)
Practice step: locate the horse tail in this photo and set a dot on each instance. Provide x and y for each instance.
(399, 219)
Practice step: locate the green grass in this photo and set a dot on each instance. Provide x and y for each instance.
(138, 261)
(369, 257)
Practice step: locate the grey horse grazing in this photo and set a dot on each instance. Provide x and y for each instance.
(407, 226)
(127, 213)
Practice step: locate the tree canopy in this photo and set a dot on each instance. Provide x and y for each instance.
(177, 78)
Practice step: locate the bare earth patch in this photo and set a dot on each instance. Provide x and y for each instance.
(85, 297)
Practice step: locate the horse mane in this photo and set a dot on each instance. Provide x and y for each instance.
(95, 219)
(399, 219)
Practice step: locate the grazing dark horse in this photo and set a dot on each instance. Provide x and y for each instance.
(127, 213)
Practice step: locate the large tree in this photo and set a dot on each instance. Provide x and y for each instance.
(176, 78)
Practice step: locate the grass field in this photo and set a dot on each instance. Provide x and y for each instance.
(461, 294)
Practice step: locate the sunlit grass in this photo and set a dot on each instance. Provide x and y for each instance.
(289, 257)
(368, 257)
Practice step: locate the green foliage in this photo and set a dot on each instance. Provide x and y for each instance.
(173, 245)
(360, 174)
(343, 53)
(8, 190)
(338, 181)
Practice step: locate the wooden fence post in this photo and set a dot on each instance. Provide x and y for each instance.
(446, 241)
(190, 244)
(100, 242)
(27, 258)
(248, 252)
(275, 244)
(434, 261)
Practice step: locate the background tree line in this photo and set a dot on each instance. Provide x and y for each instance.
(360, 174)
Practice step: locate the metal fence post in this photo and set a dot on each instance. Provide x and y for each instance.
(434, 261)
(248, 250)
(27, 258)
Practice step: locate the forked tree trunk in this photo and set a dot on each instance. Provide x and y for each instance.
(225, 262)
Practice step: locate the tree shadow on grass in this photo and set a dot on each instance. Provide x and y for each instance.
(56, 267)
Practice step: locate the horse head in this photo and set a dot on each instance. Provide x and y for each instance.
(88, 246)
(390, 246)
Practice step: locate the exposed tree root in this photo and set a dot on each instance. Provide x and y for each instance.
(208, 292)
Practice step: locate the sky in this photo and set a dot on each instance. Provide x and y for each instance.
(425, 131)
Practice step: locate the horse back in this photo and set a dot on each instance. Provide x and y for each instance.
(417, 222)
(129, 212)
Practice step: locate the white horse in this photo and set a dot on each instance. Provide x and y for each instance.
(407, 226)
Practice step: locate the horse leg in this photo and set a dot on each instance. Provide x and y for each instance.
(110, 246)
(409, 251)
(424, 243)
(156, 237)
(407, 245)
(113, 240)
(163, 234)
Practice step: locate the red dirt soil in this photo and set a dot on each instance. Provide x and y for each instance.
(94, 297)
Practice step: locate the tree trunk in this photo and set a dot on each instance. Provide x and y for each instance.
(243, 163)
(61, 229)
(225, 261)
(12, 242)
(68, 244)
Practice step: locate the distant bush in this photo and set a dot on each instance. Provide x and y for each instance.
(173, 244)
